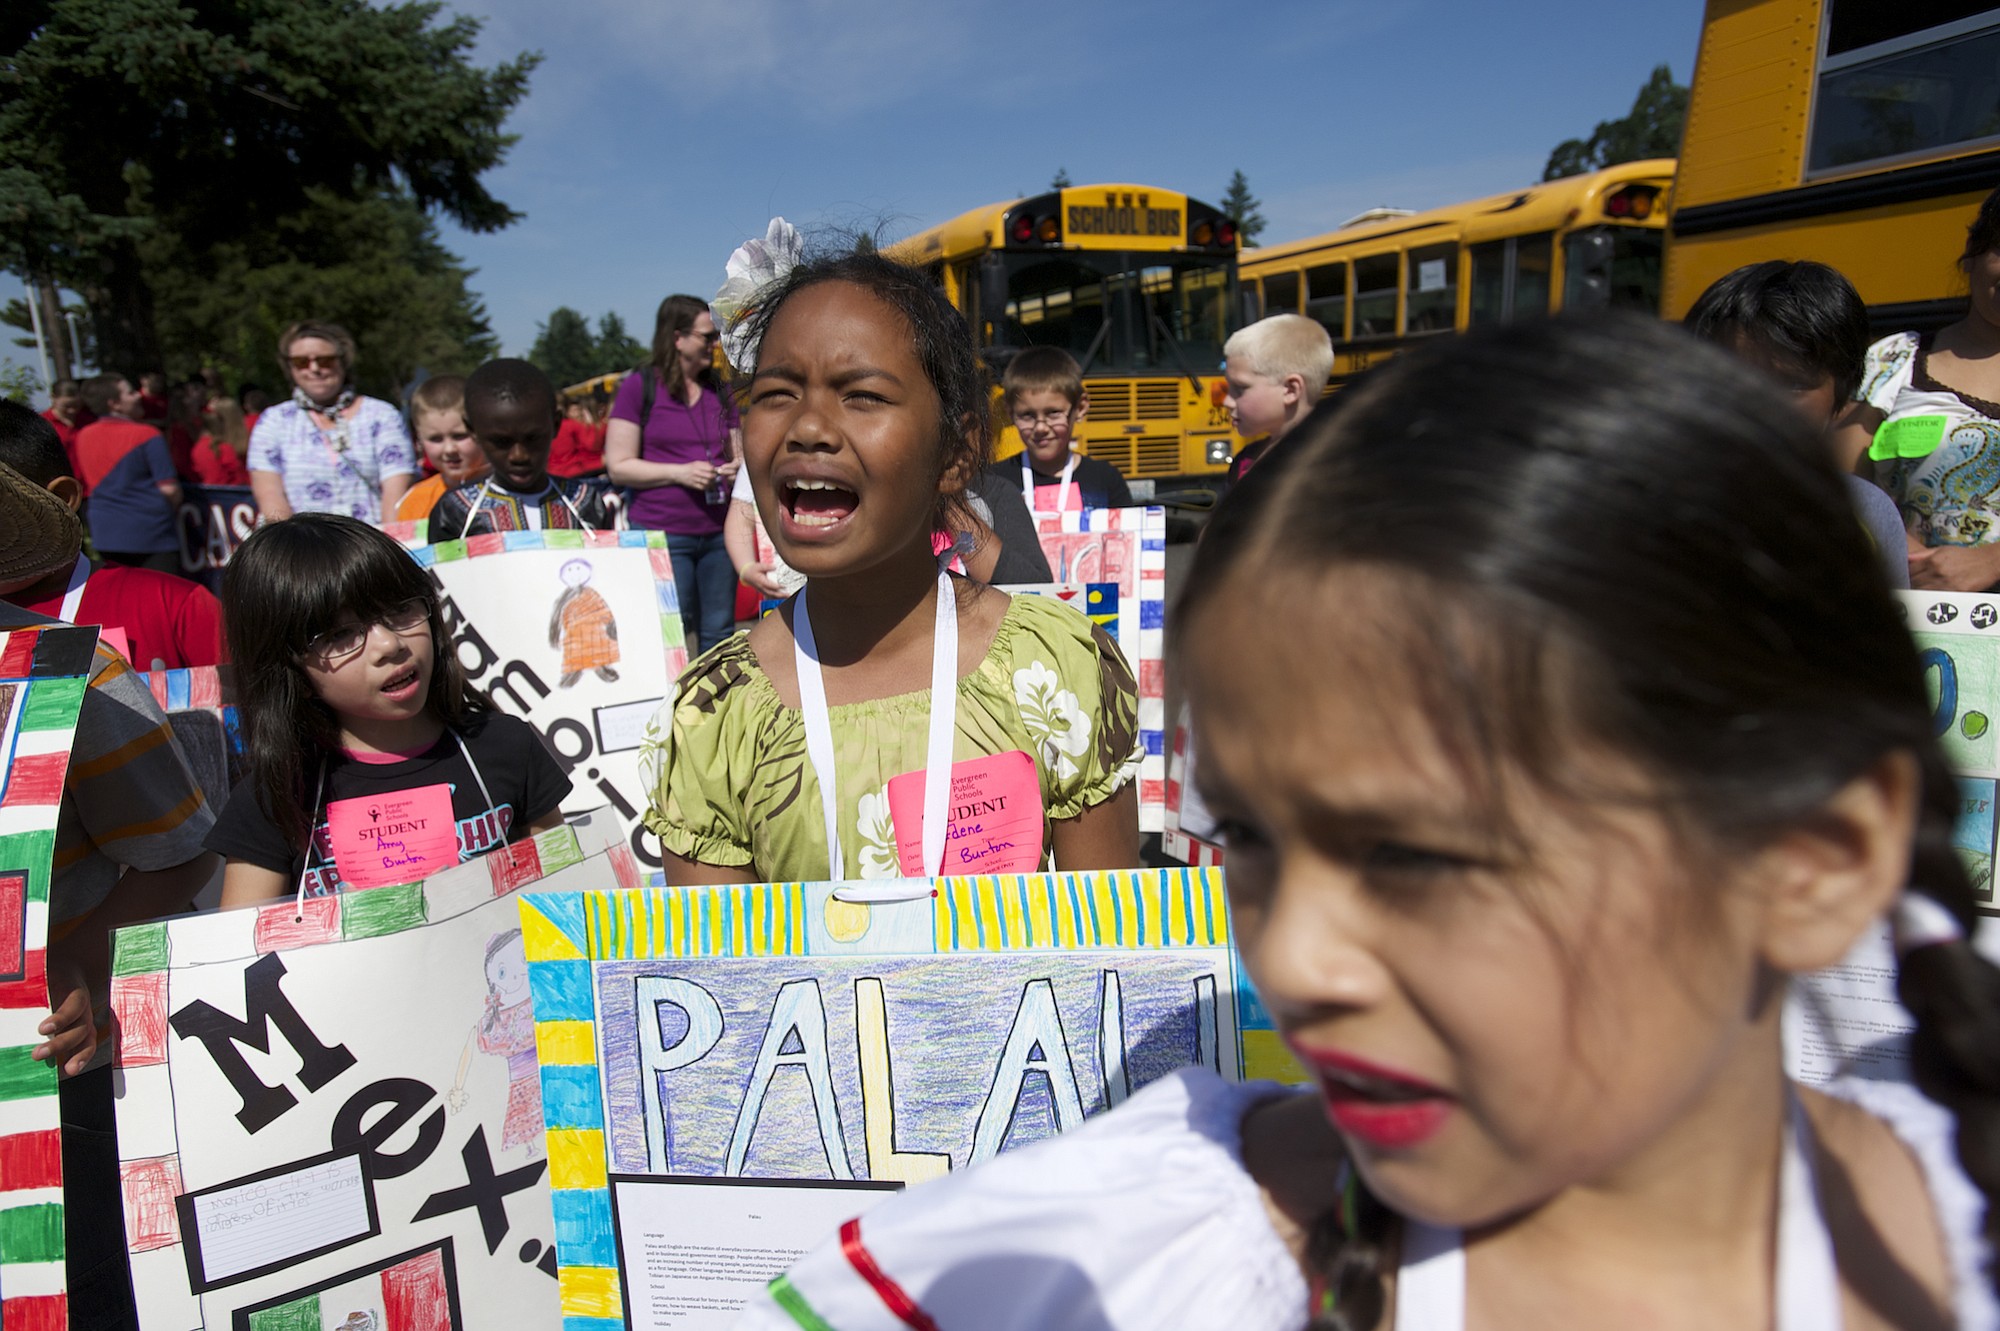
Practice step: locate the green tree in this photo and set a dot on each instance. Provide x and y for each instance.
(375, 265)
(136, 132)
(1240, 206)
(1651, 129)
(616, 348)
(1061, 179)
(564, 348)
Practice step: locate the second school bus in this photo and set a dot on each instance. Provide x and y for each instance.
(1392, 277)
(1858, 133)
(1137, 282)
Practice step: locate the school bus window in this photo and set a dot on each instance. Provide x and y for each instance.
(1886, 99)
(1185, 314)
(1433, 306)
(1510, 278)
(1281, 293)
(1617, 266)
(1326, 298)
(1055, 303)
(1375, 282)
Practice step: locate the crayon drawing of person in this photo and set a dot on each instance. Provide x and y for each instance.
(507, 1029)
(582, 625)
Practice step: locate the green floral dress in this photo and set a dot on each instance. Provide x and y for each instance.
(726, 760)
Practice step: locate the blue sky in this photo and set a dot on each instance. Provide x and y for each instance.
(659, 134)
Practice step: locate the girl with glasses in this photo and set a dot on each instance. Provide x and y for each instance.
(329, 449)
(372, 761)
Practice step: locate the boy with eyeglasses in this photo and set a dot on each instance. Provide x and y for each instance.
(1042, 393)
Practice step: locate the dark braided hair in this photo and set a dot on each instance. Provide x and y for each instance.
(943, 345)
(1607, 489)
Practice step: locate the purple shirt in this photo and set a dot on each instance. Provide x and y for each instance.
(677, 432)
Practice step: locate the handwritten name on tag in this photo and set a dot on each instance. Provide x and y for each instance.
(384, 840)
(995, 823)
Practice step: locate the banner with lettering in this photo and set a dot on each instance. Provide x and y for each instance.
(780, 1032)
(213, 520)
(43, 674)
(1124, 549)
(578, 633)
(328, 1113)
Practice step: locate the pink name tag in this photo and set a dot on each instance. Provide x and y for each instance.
(995, 825)
(386, 840)
(115, 636)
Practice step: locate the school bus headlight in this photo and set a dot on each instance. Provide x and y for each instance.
(1218, 453)
(1024, 228)
(1204, 233)
(1048, 230)
(1226, 234)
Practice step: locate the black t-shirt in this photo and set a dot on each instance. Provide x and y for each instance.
(1021, 558)
(1101, 483)
(523, 777)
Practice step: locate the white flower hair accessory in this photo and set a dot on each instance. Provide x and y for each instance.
(755, 267)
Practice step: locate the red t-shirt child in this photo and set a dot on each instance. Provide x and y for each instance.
(578, 449)
(68, 432)
(162, 617)
(213, 461)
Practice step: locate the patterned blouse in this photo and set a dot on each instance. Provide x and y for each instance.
(319, 479)
(1937, 452)
(726, 760)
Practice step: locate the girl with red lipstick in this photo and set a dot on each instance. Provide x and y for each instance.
(893, 717)
(1556, 713)
(372, 761)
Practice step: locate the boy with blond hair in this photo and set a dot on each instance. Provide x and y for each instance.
(1276, 370)
(437, 419)
(1042, 392)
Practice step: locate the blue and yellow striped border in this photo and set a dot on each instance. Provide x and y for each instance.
(565, 933)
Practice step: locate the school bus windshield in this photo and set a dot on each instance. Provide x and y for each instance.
(1120, 312)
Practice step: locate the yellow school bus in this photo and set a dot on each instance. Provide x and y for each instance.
(1391, 276)
(1858, 133)
(1137, 282)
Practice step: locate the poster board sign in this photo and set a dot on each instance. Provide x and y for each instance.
(329, 1114)
(578, 633)
(212, 521)
(1125, 547)
(775, 1031)
(43, 674)
(1847, 1018)
(1189, 826)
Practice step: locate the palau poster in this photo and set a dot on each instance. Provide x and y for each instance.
(328, 1115)
(43, 674)
(1124, 549)
(778, 1033)
(1847, 1019)
(578, 634)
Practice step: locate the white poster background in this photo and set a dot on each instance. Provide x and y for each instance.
(696, 1250)
(409, 1007)
(505, 600)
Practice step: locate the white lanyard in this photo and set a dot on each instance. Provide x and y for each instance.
(319, 798)
(531, 513)
(1430, 1286)
(944, 720)
(1028, 483)
(73, 598)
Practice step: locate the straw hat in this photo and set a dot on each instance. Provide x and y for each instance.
(38, 533)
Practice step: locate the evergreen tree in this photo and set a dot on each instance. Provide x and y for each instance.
(565, 348)
(1061, 179)
(1651, 129)
(375, 265)
(1240, 206)
(616, 348)
(137, 132)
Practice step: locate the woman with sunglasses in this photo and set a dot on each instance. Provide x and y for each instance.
(329, 449)
(371, 761)
(673, 441)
